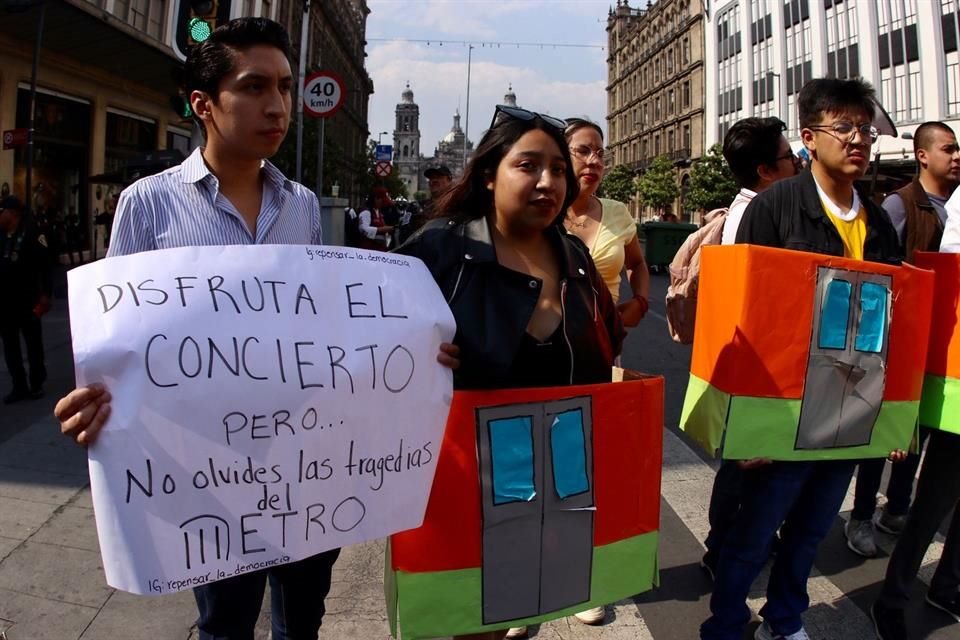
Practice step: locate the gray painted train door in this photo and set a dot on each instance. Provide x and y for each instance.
(846, 371)
(536, 470)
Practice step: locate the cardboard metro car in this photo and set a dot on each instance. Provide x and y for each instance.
(803, 356)
(545, 502)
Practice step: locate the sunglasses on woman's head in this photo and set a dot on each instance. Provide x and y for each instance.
(504, 113)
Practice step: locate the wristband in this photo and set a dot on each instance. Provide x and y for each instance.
(643, 303)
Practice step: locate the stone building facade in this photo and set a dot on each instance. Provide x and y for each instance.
(655, 90)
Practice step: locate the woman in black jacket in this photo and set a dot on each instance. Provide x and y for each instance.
(530, 307)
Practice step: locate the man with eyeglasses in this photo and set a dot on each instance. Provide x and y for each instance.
(818, 211)
(759, 156)
(918, 211)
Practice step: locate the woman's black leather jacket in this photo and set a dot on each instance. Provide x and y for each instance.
(493, 305)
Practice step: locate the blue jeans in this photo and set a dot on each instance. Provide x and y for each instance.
(229, 608)
(724, 504)
(899, 487)
(803, 496)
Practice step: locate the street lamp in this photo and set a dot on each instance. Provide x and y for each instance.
(380, 136)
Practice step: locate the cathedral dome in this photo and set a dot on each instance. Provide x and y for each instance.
(407, 95)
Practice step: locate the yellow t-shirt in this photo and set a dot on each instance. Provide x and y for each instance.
(616, 230)
(853, 233)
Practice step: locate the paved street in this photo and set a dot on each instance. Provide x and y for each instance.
(52, 586)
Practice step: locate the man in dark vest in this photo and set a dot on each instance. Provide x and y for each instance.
(917, 211)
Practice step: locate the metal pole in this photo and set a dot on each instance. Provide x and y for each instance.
(302, 75)
(323, 130)
(28, 196)
(466, 123)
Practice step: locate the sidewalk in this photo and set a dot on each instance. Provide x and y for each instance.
(52, 585)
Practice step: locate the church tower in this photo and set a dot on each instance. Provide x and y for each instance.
(510, 98)
(406, 142)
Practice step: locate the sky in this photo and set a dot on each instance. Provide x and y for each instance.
(560, 81)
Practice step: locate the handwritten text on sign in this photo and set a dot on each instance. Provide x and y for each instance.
(269, 403)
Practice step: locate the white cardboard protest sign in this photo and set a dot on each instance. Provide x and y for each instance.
(269, 403)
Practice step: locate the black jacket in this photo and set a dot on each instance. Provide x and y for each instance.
(493, 305)
(789, 215)
(25, 270)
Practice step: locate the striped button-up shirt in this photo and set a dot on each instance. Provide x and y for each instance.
(183, 207)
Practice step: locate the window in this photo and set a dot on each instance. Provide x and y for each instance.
(673, 103)
(835, 315)
(729, 84)
(147, 16)
(950, 58)
(799, 53)
(687, 141)
(686, 51)
(656, 109)
(686, 94)
(898, 56)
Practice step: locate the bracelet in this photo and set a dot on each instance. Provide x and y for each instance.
(643, 303)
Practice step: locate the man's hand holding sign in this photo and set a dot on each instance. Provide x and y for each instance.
(257, 414)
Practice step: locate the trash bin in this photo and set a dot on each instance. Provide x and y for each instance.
(663, 239)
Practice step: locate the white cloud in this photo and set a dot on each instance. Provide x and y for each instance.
(560, 81)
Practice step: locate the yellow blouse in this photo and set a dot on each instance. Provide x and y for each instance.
(617, 229)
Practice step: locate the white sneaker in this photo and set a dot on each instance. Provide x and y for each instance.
(516, 632)
(861, 538)
(591, 616)
(764, 632)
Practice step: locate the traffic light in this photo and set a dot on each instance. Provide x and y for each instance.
(181, 105)
(196, 20)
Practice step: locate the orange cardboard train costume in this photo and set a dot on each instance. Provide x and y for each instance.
(802, 356)
(545, 502)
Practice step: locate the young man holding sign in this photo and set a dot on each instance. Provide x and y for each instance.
(239, 84)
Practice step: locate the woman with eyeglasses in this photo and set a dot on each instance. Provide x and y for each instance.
(530, 307)
(606, 227)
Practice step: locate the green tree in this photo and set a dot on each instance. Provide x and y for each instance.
(712, 185)
(658, 186)
(619, 184)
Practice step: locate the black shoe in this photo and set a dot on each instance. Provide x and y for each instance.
(950, 607)
(16, 396)
(888, 623)
(709, 566)
(36, 393)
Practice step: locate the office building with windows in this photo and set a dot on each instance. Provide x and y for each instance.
(759, 53)
(655, 90)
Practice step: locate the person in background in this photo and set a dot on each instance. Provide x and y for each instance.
(758, 155)
(607, 229)
(531, 308)
(26, 286)
(918, 212)
(375, 233)
(938, 488)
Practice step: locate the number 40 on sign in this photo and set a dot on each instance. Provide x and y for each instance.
(323, 94)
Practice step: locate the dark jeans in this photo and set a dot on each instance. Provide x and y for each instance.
(938, 491)
(805, 497)
(11, 326)
(724, 504)
(899, 487)
(229, 609)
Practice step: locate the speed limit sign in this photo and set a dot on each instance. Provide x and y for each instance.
(323, 94)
